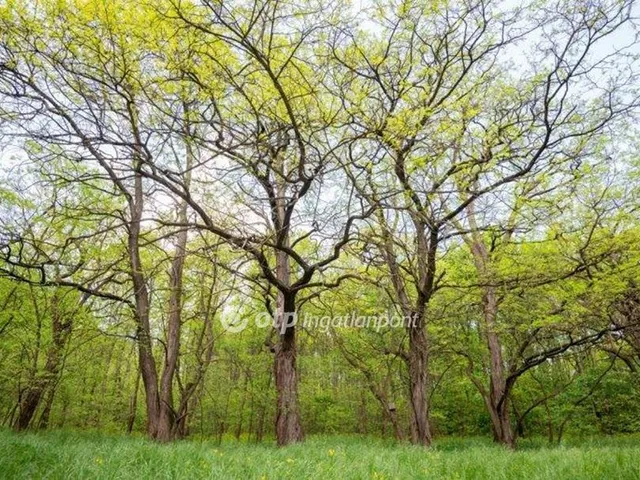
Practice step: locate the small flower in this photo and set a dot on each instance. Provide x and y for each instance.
(289, 460)
(99, 460)
(332, 452)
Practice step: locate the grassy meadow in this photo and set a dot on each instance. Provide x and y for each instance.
(57, 455)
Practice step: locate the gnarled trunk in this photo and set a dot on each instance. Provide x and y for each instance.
(148, 371)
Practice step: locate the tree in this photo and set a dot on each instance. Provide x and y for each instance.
(86, 92)
(445, 125)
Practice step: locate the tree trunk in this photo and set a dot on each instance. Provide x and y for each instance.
(288, 425)
(133, 404)
(501, 423)
(498, 398)
(167, 416)
(167, 426)
(146, 361)
(417, 357)
(28, 407)
(147, 366)
(60, 331)
(417, 365)
(43, 423)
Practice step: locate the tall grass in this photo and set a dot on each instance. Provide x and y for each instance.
(80, 455)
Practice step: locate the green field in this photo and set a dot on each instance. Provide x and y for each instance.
(83, 455)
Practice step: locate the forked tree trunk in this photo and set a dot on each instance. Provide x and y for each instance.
(417, 356)
(168, 418)
(501, 423)
(148, 372)
(497, 400)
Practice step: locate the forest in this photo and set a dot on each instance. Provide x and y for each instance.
(268, 223)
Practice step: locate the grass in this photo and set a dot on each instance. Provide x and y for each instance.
(83, 455)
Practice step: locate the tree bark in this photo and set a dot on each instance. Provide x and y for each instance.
(288, 425)
(133, 404)
(168, 428)
(146, 361)
(28, 406)
(43, 423)
(501, 422)
(167, 416)
(497, 399)
(417, 366)
(417, 356)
